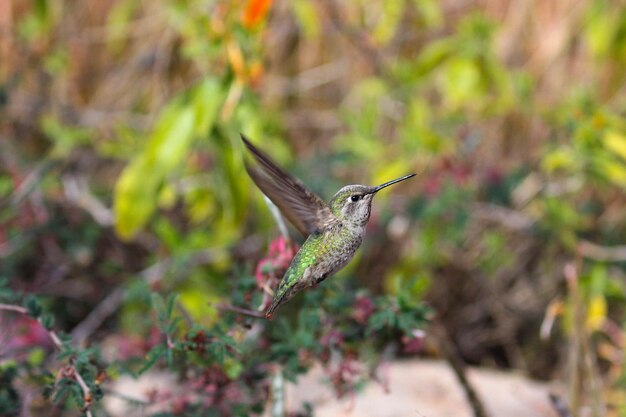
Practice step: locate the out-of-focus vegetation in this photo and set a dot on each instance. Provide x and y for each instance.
(126, 217)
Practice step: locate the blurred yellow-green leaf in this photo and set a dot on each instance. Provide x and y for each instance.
(431, 12)
(390, 13)
(596, 312)
(306, 14)
(191, 114)
(616, 142)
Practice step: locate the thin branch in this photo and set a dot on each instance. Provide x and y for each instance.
(357, 38)
(77, 191)
(278, 393)
(512, 219)
(583, 363)
(71, 369)
(591, 250)
(127, 398)
(111, 303)
(559, 406)
(240, 310)
(11, 307)
(86, 391)
(455, 361)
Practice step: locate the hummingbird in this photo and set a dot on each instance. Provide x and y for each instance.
(333, 231)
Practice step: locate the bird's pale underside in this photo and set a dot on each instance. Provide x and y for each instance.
(333, 231)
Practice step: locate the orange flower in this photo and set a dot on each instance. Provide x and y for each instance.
(255, 12)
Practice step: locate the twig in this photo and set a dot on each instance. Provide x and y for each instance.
(77, 191)
(11, 307)
(71, 369)
(512, 219)
(591, 250)
(455, 361)
(278, 394)
(583, 361)
(516, 220)
(354, 36)
(30, 182)
(240, 310)
(560, 406)
(111, 302)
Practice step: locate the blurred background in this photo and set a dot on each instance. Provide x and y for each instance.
(121, 175)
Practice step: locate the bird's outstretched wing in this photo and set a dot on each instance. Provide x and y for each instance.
(303, 208)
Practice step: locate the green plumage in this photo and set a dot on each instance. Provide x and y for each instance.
(335, 230)
(305, 258)
(321, 255)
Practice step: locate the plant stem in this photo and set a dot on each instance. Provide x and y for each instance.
(59, 345)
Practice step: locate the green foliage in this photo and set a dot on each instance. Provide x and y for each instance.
(142, 103)
(9, 395)
(188, 116)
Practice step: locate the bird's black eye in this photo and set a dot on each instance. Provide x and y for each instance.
(355, 197)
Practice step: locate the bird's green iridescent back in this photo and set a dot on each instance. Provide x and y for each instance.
(305, 258)
(323, 253)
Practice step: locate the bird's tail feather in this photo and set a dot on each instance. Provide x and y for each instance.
(269, 313)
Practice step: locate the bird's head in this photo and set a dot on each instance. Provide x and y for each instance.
(353, 203)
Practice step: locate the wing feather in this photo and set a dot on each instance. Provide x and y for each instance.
(303, 208)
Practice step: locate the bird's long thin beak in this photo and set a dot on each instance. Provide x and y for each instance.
(387, 184)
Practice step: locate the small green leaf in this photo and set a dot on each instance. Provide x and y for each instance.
(170, 304)
(219, 352)
(36, 357)
(159, 305)
(152, 357)
(47, 321)
(233, 368)
(33, 306)
(433, 56)
(376, 322)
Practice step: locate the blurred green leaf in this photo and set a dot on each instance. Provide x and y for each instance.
(118, 22)
(431, 12)
(152, 357)
(616, 142)
(64, 137)
(433, 56)
(461, 81)
(390, 14)
(307, 18)
(136, 191)
(563, 158)
(33, 306)
(47, 321)
(38, 21)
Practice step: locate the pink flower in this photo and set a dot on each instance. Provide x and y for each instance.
(20, 333)
(332, 338)
(363, 309)
(280, 254)
(414, 342)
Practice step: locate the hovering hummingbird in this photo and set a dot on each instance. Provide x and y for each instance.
(334, 231)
